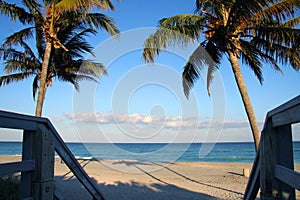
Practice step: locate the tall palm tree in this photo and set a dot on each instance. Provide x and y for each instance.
(46, 21)
(67, 66)
(255, 32)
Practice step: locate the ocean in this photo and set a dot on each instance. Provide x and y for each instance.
(195, 152)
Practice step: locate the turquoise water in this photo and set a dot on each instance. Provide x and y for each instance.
(195, 152)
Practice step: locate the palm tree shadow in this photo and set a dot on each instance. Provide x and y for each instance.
(72, 189)
(162, 189)
(195, 181)
(82, 162)
(137, 165)
(135, 190)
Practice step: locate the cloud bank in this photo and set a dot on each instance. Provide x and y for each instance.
(171, 122)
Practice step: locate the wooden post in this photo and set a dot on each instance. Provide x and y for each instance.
(276, 149)
(283, 155)
(266, 169)
(43, 153)
(27, 154)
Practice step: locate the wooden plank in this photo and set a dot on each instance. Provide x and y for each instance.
(290, 116)
(17, 124)
(27, 154)
(288, 176)
(254, 182)
(14, 167)
(43, 190)
(66, 155)
(266, 163)
(19, 121)
(284, 148)
(6, 114)
(283, 155)
(289, 104)
(43, 154)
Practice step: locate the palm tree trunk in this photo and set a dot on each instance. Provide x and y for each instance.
(245, 97)
(42, 86)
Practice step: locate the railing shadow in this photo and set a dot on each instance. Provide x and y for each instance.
(129, 190)
(83, 163)
(72, 189)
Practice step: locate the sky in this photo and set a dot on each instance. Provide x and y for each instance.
(139, 102)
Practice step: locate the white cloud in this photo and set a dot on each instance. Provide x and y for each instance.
(171, 122)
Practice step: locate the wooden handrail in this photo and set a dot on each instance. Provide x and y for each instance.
(274, 162)
(14, 167)
(39, 137)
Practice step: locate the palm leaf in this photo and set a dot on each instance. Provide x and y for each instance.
(15, 12)
(292, 23)
(101, 21)
(77, 44)
(17, 37)
(35, 86)
(7, 79)
(72, 5)
(172, 31)
(250, 56)
(204, 60)
(280, 10)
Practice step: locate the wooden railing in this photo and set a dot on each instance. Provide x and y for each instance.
(40, 141)
(273, 169)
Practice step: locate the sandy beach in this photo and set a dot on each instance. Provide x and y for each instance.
(154, 180)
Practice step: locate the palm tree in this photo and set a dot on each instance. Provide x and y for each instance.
(46, 21)
(255, 32)
(67, 66)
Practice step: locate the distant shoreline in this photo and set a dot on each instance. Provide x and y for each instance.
(158, 152)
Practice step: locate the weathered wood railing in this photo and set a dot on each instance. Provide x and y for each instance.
(273, 169)
(40, 140)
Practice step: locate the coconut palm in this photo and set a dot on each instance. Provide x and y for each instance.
(46, 21)
(67, 66)
(255, 32)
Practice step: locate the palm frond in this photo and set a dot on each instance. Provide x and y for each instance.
(78, 45)
(15, 60)
(199, 63)
(7, 79)
(15, 12)
(215, 56)
(283, 54)
(35, 86)
(180, 29)
(292, 23)
(33, 6)
(11, 66)
(101, 21)
(17, 37)
(11, 53)
(212, 6)
(93, 68)
(278, 34)
(250, 57)
(280, 10)
(73, 5)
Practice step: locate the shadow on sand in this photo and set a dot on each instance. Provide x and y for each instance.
(134, 190)
(72, 189)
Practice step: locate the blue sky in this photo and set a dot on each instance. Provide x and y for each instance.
(141, 103)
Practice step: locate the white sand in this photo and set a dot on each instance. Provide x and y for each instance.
(128, 180)
(144, 180)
